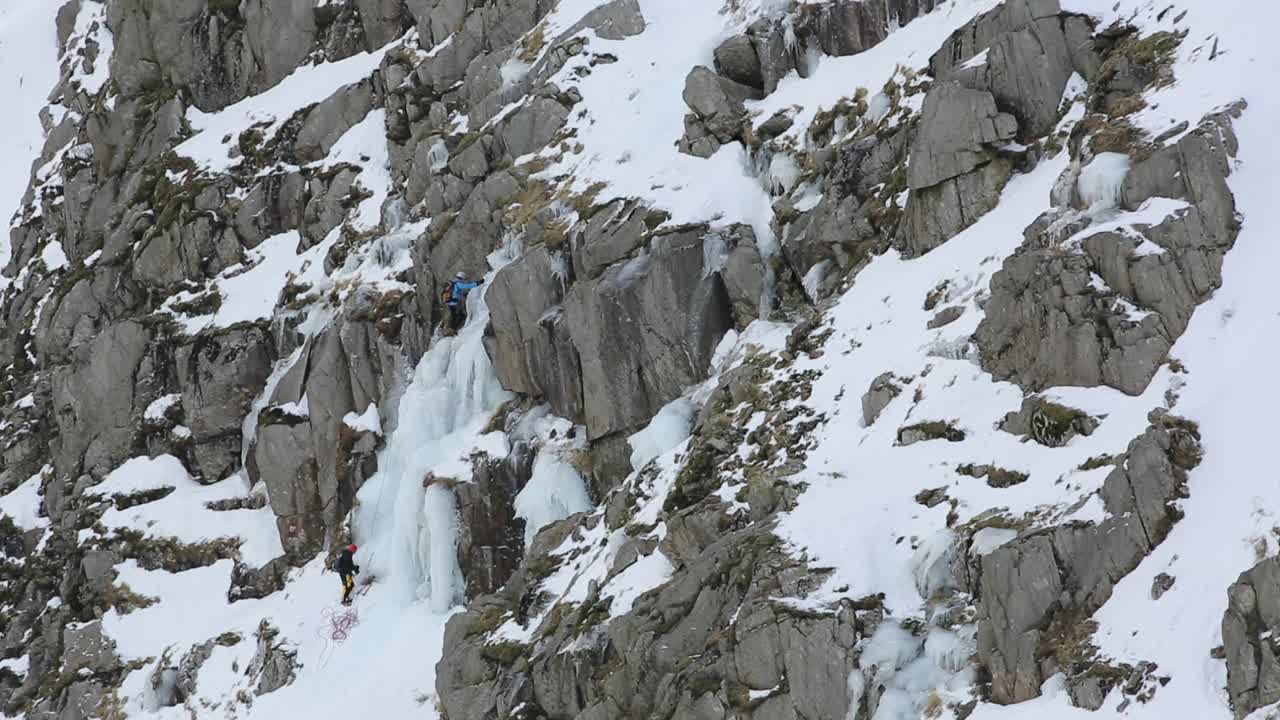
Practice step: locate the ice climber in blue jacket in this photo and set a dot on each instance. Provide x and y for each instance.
(456, 298)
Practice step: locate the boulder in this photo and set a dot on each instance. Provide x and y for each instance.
(331, 118)
(85, 647)
(718, 102)
(882, 392)
(736, 59)
(273, 665)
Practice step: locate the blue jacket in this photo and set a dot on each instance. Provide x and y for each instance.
(459, 291)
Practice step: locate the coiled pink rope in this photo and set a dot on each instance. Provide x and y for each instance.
(341, 623)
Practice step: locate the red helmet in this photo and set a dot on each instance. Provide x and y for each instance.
(352, 547)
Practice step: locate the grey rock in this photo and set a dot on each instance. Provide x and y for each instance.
(491, 541)
(646, 329)
(220, 374)
(864, 163)
(613, 20)
(1048, 423)
(533, 353)
(945, 316)
(83, 700)
(955, 174)
(532, 126)
(882, 392)
(220, 56)
(938, 213)
(1033, 589)
(273, 665)
(285, 456)
(612, 233)
(743, 272)
(1028, 59)
(86, 647)
(956, 127)
(256, 583)
(94, 411)
(1252, 615)
(384, 20)
(1047, 323)
(717, 102)
(331, 119)
(736, 59)
(849, 27)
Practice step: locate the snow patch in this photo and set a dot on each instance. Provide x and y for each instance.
(368, 421)
(667, 430)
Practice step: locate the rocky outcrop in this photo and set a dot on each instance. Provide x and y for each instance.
(645, 329)
(1035, 593)
(882, 392)
(312, 460)
(491, 541)
(274, 665)
(718, 112)
(220, 375)
(1252, 617)
(695, 647)
(1031, 49)
(221, 53)
(1079, 307)
(1000, 77)
(956, 173)
(532, 351)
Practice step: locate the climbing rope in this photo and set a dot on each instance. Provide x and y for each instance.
(341, 622)
(337, 627)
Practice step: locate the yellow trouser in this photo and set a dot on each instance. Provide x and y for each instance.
(348, 584)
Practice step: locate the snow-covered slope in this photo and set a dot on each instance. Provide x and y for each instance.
(819, 345)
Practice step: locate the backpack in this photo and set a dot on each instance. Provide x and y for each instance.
(446, 295)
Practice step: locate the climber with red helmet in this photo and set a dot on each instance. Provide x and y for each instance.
(347, 570)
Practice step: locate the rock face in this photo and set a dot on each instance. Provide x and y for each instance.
(311, 459)
(645, 329)
(999, 77)
(1050, 323)
(1034, 591)
(460, 148)
(1253, 670)
(955, 174)
(160, 44)
(1032, 47)
(665, 629)
(533, 352)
